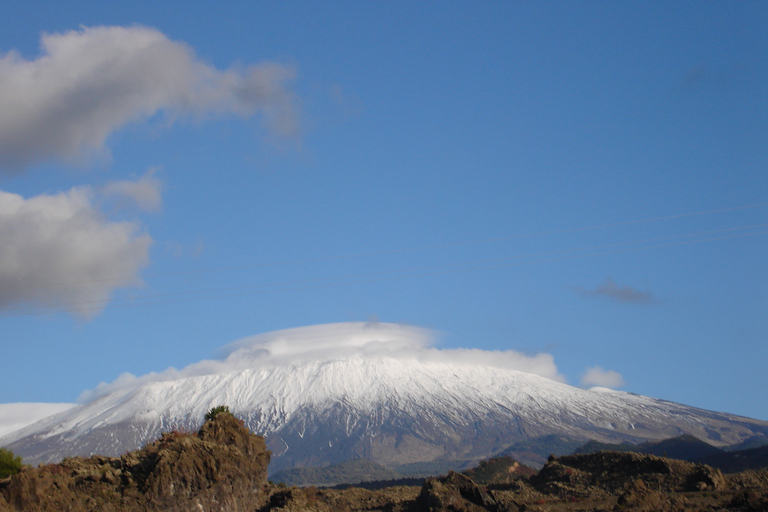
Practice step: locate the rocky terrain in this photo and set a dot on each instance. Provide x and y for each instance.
(223, 467)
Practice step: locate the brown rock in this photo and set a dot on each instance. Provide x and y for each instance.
(457, 493)
(223, 467)
(640, 498)
(705, 478)
(615, 472)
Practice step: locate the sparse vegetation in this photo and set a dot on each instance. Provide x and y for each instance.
(216, 411)
(10, 464)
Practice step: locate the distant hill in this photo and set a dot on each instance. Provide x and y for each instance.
(433, 468)
(752, 442)
(369, 475)
(596, 446)
(683, 447)
(733, 462)
(534, 452)
(692, 449)
(349, 472)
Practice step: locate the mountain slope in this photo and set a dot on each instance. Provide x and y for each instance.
(392, 408)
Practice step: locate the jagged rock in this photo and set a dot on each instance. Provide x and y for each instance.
(705, 478)
(456, 493)
(639, 498)
(615, 472)
(312, 499)
(298, 500)
(4, 507)
(223, 467)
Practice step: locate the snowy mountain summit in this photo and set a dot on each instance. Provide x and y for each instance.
(325, 394)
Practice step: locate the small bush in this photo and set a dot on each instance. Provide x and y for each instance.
(215, 411)
(10, 464)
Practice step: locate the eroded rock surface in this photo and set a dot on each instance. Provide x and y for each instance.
(222, 467)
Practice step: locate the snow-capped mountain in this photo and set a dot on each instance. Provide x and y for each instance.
(330, 393)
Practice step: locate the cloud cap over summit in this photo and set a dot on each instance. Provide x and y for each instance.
(335, 341)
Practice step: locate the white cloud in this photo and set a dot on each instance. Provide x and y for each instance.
(88, 83)
(16, 416)
(334, 341)
(145, 192)
(59, 252)
(600, 377)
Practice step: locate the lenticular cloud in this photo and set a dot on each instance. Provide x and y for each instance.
(88, 83)
(337, 341)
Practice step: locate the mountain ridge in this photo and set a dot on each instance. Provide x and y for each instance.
(374, 397)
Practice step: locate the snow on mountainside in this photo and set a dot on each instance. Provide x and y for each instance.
(326, 394)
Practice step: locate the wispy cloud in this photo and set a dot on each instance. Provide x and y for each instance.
(334, 341)
(19, 415)
(59, 251)
(611, 290)
(598, 376)
(146, 192)
(88, 83)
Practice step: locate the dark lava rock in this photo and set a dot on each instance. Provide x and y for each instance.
(222, 467)
(615, 472)
(455, 493)
(640, 498)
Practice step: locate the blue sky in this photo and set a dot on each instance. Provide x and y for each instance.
(586, 180)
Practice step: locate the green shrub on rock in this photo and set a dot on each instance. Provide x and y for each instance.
(215, 411)
(10, 464)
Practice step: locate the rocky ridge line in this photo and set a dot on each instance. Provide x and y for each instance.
(221, 467)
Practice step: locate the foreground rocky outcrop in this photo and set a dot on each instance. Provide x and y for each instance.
(221, 467)
(458, 493)
(599, 482)
(612, 472)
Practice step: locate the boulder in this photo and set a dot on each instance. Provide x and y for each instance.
(456, 493)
